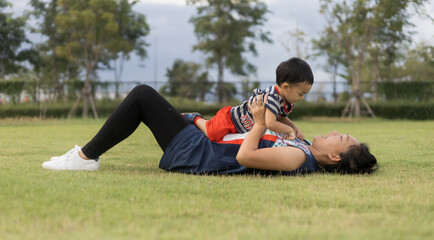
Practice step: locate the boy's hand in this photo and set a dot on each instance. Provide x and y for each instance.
(298, 133)
(289, 136)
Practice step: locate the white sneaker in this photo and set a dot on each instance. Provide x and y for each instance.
(55, 158)
(71, 161)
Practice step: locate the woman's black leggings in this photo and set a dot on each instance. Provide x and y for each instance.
(143, 104)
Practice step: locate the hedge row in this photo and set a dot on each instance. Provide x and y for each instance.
(390, 110)
(414, 90)
(409, 110)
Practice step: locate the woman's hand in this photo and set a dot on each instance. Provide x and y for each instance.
(258, 109)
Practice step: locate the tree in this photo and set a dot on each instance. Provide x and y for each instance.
(355, 26)
(132, 27)
(247, 87)
(419, 63)
(295, 40)
(52, 68)
(91, 28)
(185, 80)
(12, 36)
(327, 45)
(226, 29)
(390, 37)
(203, 85)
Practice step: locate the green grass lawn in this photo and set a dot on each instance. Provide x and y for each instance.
(131, 198)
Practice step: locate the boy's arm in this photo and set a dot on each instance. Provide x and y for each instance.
(274, 125)
(298, 133)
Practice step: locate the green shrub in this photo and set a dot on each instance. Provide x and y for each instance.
(306, 109)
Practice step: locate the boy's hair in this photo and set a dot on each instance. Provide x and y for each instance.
(294, 70)
(356, 160)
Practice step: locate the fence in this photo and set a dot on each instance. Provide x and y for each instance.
(17, 91)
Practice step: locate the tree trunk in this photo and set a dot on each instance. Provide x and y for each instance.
(116, 89)
(88, 99)
(86, 93)
(220, 86)
(356, 92)
(74, 107)
(117, 78)
(333, 77)
(353, 106)
(357, 103)
(355, 80)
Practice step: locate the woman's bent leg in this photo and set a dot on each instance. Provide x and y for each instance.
(142, 104)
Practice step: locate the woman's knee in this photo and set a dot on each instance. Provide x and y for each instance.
(142, 89)
(144, 92)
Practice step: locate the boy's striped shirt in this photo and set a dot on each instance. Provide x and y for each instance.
(242, 117)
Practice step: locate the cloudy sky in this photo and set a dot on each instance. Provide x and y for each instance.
(172, 37)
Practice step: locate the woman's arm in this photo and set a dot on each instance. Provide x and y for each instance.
(279, 158)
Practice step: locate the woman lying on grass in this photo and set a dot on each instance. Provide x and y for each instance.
(186, 149)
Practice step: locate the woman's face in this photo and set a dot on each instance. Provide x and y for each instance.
(333, 143)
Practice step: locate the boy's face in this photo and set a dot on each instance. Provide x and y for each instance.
(294, 92)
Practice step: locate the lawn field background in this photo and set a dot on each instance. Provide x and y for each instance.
(131, 198)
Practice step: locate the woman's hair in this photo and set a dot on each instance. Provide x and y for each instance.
(356, 160)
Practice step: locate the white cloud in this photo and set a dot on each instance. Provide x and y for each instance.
(423, 27)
